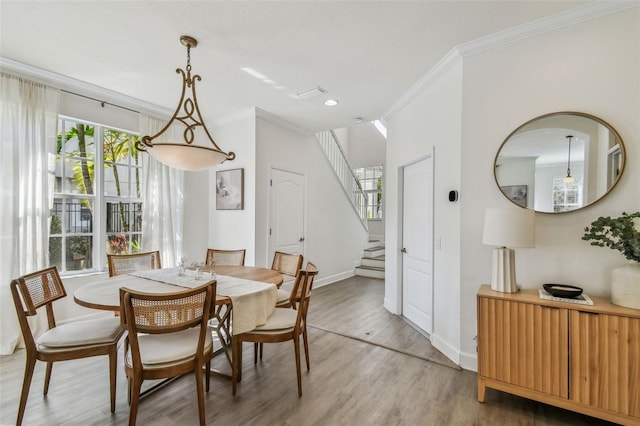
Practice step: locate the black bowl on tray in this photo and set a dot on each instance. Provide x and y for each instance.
(562, 290)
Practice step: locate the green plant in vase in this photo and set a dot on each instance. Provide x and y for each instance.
(623, 234)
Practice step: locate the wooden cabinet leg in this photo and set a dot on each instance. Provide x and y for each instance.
(481, 390)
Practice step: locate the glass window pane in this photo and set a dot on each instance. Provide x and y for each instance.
(116, 180)
(117, 244)
(78, 176)
(117, 146)
(55, 252)
(136, 217)
(136, 243)
(78, 217)
(78, 253)
(77, 140)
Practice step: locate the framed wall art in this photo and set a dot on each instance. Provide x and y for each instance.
(230, 189)
(516, 193)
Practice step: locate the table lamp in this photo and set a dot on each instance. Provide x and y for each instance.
(507, 228)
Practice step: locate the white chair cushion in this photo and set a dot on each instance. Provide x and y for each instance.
(172, 347)
(82, 333)
(282, 296)
(282, 318)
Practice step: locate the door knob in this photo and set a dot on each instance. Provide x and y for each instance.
(404, 250)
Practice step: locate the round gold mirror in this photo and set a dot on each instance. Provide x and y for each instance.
(559, 162)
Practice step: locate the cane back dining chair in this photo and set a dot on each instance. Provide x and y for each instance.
(167, 337)
(225, 257)
(120, 264)
(286, 264)
(69, 341)
(283, 325)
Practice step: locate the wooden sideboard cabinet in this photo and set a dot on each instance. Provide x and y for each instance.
(578, 357)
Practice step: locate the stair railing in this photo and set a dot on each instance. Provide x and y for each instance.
(350, 183)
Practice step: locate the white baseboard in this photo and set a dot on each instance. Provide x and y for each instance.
(333, 278)
(469, 361)
(446, 348)
(390, 306)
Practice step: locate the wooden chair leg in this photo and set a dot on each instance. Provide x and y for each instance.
(136, 385)
(129, 386)
(234, 366)
(255, 353)
(47, 378)
(26, 384)
(296, 346)
(200, 394)
(306, 347)
(207, 373)
(113, 368)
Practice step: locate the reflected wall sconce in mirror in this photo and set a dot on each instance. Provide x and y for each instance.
(507, 229)
(569, 178)
(197, 150)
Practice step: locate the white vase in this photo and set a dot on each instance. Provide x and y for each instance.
(625, 285)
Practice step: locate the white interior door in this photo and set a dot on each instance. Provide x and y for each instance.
(417, 243)
(286, 213)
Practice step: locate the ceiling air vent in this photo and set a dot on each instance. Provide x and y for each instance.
(311, 93)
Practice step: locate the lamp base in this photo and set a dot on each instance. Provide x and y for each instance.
(503, 270)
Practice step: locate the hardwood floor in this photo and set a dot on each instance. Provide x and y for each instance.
(350, 383)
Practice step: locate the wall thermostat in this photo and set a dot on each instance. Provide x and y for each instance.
(453, 196)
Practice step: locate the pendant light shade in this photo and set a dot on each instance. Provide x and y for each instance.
(197, 150)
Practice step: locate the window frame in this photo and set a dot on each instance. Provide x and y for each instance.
(99, 198)
(372, 194)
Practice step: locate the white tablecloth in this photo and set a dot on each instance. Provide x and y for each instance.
(253, 301)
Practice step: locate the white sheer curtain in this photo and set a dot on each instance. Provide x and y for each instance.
(28, 119)
(163, 201)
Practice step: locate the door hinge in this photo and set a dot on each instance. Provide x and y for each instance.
(269, 231)
(270, 182)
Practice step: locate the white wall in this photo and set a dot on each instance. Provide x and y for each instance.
(366, 145)
(231, 229)
(334, 237)
(433, 119)
(591, 67)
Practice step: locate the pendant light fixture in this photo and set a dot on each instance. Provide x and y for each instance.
(569, 179)
(197, 150)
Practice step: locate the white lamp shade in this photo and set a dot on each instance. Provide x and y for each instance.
(186, 157)
(506, 227)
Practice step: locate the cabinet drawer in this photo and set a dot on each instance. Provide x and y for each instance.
(524, 344)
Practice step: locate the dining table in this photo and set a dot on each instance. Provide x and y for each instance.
(245, 295)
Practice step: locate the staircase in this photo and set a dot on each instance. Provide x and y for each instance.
(372, 264)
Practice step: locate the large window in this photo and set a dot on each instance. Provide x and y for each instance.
(371, 181)
(566, 196)
(97, 207)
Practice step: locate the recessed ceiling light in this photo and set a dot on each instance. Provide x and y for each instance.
(331, 102)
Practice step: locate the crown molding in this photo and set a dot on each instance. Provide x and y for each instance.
(547, 24)
(540, 26)
(272, 118)
(80, 87)
(445, 64)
